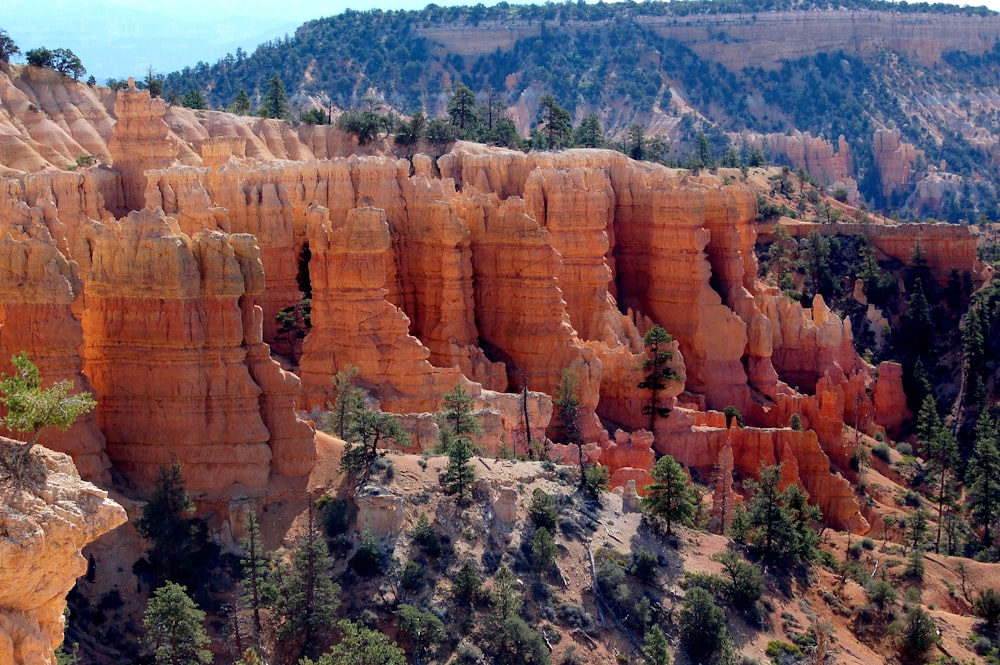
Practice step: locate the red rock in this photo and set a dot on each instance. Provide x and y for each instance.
(890, 400)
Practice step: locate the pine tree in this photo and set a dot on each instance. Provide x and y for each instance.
(458, 424)
(658, 372)
(360, 645)
(462, 109)
(348, 401)
(656, 648)
(590, 134)
(567, 405)
(671, 497)
(165, 522)
(175, 630)
(702, 626)
(465, 586)
(241, 103)
(425, 630)
(307, 596)
(939, 447)
(256, 564)
(984, 480)
(193, 99)
(274, 104)
(777, 524)
(31, 409)
(368, 430)
(556, 125)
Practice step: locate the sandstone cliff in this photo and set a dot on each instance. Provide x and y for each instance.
(488, 268)
(46, 519)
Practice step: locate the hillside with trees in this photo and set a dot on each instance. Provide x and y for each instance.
(675, 70)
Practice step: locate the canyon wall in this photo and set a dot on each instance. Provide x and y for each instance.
(491, 269)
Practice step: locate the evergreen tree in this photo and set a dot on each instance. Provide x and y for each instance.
(590, 134)
(567, 405)
(193, 99)
(702, 626)
(241, 103)
(658, 372)
(984, 480)
(462, 109)
(176, 537)
(274, 104)
(368, 430)
(257, 591)
(635, 141)
(175, 630)
(466, 584)
(459, 474)
(458, 424)
(919, 635)
(360, 645)
(556, 126)
(656, 648)
(30, 408)
(543, 551)
(939, 447)
(8, 48)
(671, 498)
(425, 630)
(347, 403)
(307, 597)
(778, 524)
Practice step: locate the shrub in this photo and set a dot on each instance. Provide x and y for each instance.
(915, 565)
(573, 615)
(367, 561)
(912, 498)
(543, 551)
(542, 510)
(644, 565)
(595, 481)
(425, 537)
(881, 451)
(986, 606)
(412, 577)
(334, 515)
(882, 593)
(904, 449)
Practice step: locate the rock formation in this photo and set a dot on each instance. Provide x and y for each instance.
(44, 525)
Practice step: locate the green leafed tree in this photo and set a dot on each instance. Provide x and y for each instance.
(360, 645)
(671, 498)
(257, 589)
(458, 424)
(590, 134)
(658, 372)
(274, 103)
(556, 125)
(779, 525)
(656, 647)
(175, 631)
(31, 408)
(67, 63)
(39, 57)
(177, 538)
(462, 109)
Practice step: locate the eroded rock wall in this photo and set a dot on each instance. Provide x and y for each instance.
(44, 524)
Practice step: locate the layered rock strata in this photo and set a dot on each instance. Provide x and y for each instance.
(44, 525)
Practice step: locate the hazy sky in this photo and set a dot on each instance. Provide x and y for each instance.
(118, 38)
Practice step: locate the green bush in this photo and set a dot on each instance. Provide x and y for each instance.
(881, 451)
(986, 606)
(542, 510)
(412, 578)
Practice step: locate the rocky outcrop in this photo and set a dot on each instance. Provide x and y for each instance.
(829, 165)
(894, 160)
(139, 142)
(160, 304)
(44, 524)
(889, 399)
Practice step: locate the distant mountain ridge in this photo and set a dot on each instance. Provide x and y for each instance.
(742, 72)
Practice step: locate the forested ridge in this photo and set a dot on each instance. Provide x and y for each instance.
(615, 60)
